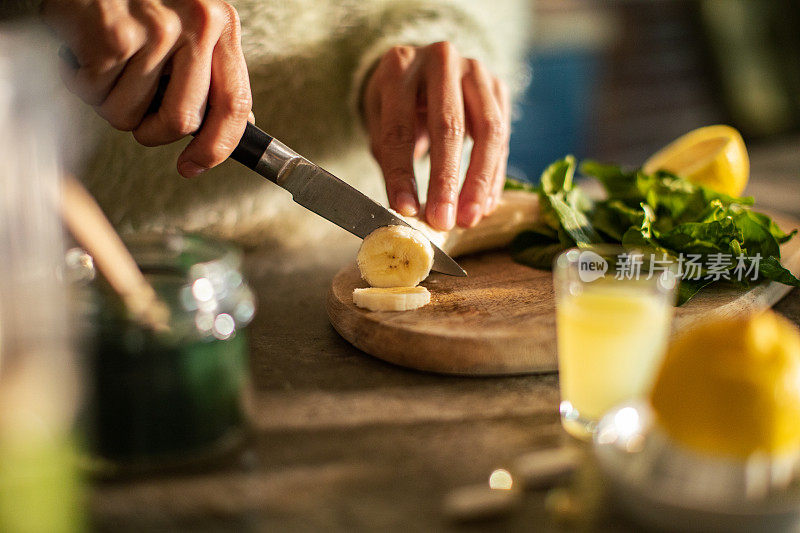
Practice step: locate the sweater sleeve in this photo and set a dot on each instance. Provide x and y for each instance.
(496, 33)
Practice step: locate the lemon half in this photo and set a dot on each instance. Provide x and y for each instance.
(731, 387)
(714, 156)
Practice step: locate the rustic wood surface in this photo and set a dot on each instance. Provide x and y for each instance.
(500, 320)
(346, 442)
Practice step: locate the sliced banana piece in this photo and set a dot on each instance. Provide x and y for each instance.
(395, 256)
(391, 298)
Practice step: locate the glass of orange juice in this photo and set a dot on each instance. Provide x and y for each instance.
(613, 313)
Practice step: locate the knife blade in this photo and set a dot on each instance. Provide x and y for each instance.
(319, 191)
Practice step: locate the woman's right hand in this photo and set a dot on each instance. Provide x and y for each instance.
(123, 47)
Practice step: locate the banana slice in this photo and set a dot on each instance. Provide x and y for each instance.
(391, 298)
(395, 256)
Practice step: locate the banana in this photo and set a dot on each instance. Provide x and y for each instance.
(394, 259)
(516, 212)
(391, 298)
(395, 256)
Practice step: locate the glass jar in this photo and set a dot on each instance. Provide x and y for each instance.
(180, 396)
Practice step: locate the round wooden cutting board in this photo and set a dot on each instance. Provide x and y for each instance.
(501, 318)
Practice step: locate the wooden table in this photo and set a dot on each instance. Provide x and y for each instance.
(344, 442)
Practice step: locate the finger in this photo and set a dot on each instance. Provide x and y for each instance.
(499, 183)
(502, 96)
(181, 110)
(128, 101)
(184, 103)
(393, 144)
(101, 38)
(371, 105)
(92, 83)
(487, 128)
(229, 105)
(423, 141)
(446, 129)
(76, 78)
(91, 88)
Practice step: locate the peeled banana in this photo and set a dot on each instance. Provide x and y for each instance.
(391, 298)
(395, 256)
(516, 212)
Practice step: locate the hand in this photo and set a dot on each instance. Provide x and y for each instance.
(421, 97)
(121, 49)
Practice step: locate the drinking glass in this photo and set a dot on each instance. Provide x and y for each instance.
(613, 313)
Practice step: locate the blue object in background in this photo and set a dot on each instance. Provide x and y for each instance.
(554, 112)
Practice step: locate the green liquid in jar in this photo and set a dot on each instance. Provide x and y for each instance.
(164, 396)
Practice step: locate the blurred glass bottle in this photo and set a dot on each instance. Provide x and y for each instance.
(755, 47)
(39, 486)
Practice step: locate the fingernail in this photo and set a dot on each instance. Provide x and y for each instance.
(190, 170)
(444, 216)
(406, 204)
(470, 214)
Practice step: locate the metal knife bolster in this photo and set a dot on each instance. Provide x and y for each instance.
(296, 174)
(274, 161)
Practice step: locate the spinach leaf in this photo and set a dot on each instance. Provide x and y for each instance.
(635, 238)
(565, 207)
(614, 217)
(516, 185)
(619, 184)
(773, 228)
(574, 222)
(688, 288)
(535, 249)
(771, 268)
(660, 212)
(558, 176)
(701, 237)
(756, 236)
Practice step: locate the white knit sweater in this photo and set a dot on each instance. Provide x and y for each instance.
(307, 61)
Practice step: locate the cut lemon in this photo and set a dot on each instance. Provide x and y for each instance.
(714, 156)
(731, 387)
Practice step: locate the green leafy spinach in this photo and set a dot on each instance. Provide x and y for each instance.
(663, 212)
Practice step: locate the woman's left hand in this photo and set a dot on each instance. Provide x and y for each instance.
(429, 97)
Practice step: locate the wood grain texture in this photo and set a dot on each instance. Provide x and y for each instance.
(500, 320)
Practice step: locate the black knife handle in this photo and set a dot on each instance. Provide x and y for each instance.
(251, 147)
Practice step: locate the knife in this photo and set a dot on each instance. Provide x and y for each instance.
(315, 188)
(319, 191)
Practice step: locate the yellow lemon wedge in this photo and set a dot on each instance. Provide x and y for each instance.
(731, 387)
(713, 156)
